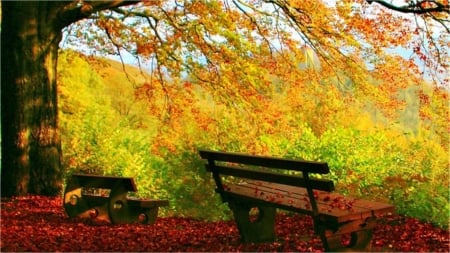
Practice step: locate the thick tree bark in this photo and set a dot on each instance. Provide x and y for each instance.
(31, 145)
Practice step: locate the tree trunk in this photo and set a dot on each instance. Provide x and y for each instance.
(31, 145)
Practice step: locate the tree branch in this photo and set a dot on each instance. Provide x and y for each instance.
(77, 10)
(417, 7)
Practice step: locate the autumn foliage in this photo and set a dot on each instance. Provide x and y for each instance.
(342, 83)
(376, 149)
(351, 84)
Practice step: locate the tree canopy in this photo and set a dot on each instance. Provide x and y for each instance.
(209, 38)
(240, 51)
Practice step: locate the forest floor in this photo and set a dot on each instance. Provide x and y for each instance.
(38, 223)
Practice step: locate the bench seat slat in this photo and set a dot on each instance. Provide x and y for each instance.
(248, 198)
(145, 203)
(342, 208)
(335, 209)
(319, 184)
(105, 182)
(95, 200)
(269, 162)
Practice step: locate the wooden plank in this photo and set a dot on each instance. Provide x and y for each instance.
(264, 161)
(247, 199)
(319, 184)
(105, 182)
(334, 209)
(357, 208)
(95, 200)
(284, 199)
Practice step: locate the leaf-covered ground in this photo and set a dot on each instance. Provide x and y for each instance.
(39, 224)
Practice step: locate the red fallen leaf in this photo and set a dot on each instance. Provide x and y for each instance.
(337, 199)
(40, 224)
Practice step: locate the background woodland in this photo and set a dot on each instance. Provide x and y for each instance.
(385, 138)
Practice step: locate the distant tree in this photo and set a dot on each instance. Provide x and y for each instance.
(214, 40)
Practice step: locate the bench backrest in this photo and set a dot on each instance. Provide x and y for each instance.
(104, 182)
(218, 164)
(306, 167)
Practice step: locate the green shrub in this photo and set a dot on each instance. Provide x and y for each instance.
(378, 163)
(410, 173)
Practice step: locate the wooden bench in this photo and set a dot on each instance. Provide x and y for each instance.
(257, 184)
(108, 200)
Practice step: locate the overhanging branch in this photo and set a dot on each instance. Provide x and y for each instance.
(417, 7)
(77, 10)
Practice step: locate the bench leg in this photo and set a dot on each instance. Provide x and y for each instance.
(152, 214)
(360, 235)
(360, 241)
(144, 215)
(97, 212)
(262, 229)
(119, 210)
(74, 204)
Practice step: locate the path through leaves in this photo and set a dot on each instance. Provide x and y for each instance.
(39, 224)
